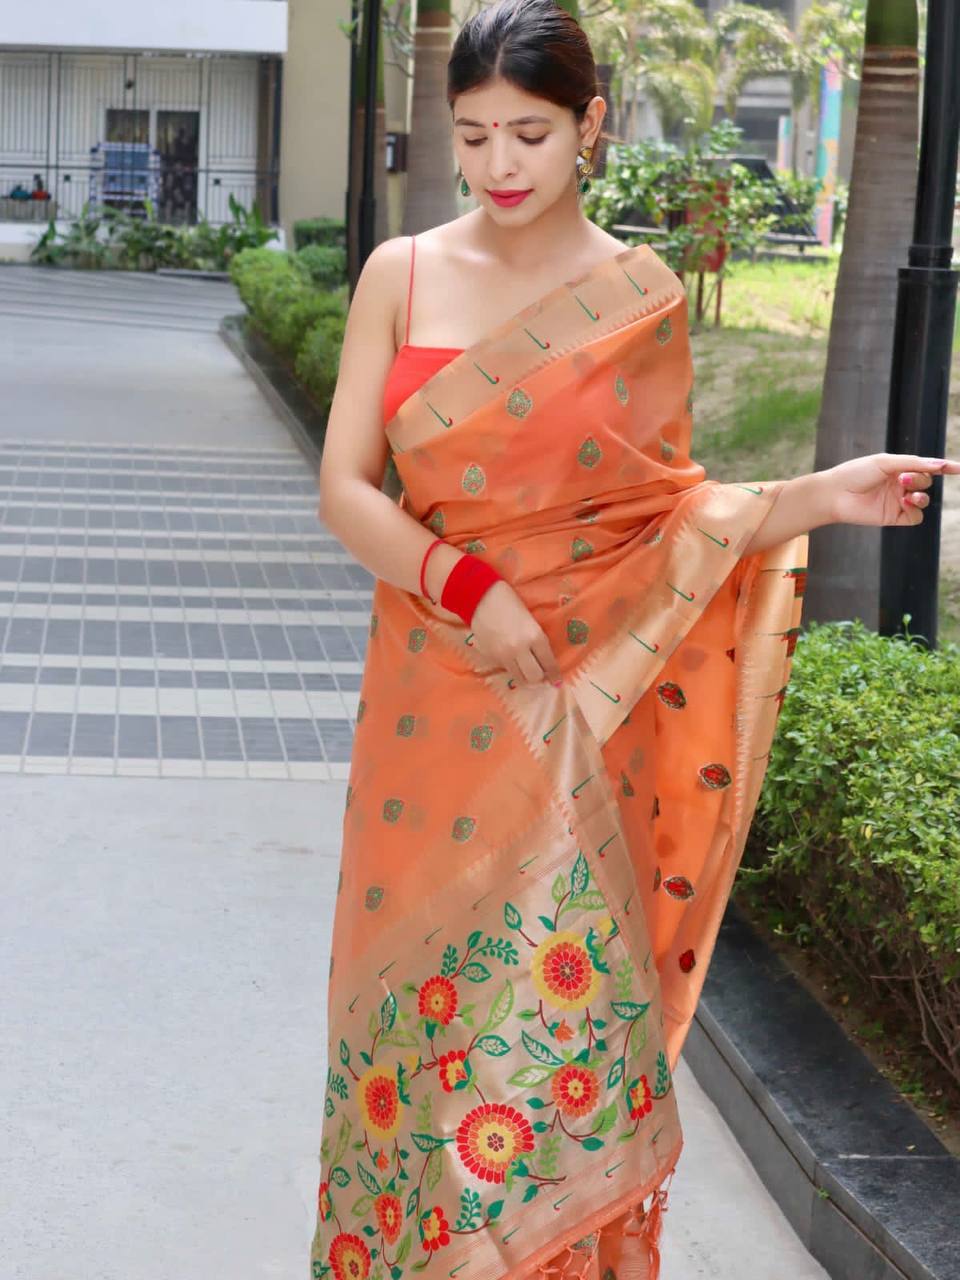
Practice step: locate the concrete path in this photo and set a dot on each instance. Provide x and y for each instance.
(182, 646)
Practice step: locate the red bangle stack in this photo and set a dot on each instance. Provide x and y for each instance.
(423, 565)
(468, 582)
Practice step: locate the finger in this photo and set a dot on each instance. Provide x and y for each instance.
(916, 499)
(890, 462)
(544, 655)
(915, 479)
(530, 668)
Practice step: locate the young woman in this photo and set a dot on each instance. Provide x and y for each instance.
(578, 649)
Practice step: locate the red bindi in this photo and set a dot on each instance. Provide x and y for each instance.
(495, 124)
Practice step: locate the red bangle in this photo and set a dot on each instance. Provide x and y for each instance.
(467, 583)
(423, 566)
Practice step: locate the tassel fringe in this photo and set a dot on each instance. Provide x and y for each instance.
(643, 1226)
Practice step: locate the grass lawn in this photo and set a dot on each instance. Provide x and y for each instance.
(758, 385)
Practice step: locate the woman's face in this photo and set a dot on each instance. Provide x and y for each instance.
(507, 140)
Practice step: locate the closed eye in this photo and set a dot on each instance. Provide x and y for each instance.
(475, 142)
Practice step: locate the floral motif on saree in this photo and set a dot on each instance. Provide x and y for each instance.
(533, 878)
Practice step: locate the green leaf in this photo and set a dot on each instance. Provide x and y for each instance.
(559, 888)
(344, 1052)
(403, 1249)
(592, 1144)
(413, 1201)
(527, 1015)
(540, 1126)
(629, 1009)
(580, 875)
(501, 1008)
(529, 1077)
(537, 1103)
(494, 1209)
(340, 1176)
(368, 1180)
(539, 1051)
(531, 1192)
(493, 1046)
(426, 1141)
(388, 1012)
(475, 972)
(547, 923)
(512, 916)
(615, 1074)
(361, 1206)
(591, 900)
(607, 1119)
(474, 939)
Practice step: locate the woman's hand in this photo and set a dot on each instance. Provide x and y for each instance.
(506, 632)
(882, 488)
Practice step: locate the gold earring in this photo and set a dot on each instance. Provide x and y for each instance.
(584, 170)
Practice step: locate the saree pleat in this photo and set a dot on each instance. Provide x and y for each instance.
(533, 878)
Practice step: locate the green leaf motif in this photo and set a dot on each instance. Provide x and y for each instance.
(493, 1046)
(388, 1012)
(513, 921)
(531, 1192)
(501, 1008)
(540, 1051)
(592, 1144)
(340, 1176)
(475, 972)
(403, 1250)
(559, 889)
(427, 1142)
(529, 1077)
(368, 1180)
(494, 1209)
(547, 923)
(449, 962)
(413, 1202)
(615, 1074)
(434, 1168)
(580, 875)
(592, 900)
(629, 1009)
(361, 1206)
(344, 1052)
(474, 939)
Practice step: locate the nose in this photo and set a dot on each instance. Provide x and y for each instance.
(503, 158)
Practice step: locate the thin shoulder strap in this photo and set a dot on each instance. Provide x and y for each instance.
(413, 254)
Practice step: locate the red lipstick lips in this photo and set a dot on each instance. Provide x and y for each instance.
(508, 198)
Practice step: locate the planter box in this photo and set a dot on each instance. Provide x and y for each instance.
(27, 210)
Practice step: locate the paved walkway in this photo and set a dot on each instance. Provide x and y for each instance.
(181, 646)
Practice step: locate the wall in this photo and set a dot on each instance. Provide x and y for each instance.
(228, 26)
(314, 118)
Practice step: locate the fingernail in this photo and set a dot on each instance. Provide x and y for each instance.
(904, 477)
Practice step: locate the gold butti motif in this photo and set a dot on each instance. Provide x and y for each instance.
(621, 391)
(473, 479)
(589, 453)
(519, 403)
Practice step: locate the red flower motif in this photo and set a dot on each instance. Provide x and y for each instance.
(687, 960)
(389, 1213)
(349, 1257)
(639, 1098)
(324, 1205)
(678, 887)
(490, 1137)
(438, 1000)
(575, 1090)
(434, 1229)
(715, 776)
(563, 971)
(671, 695)
(453, 1070)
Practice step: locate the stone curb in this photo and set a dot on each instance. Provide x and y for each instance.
(305, 423)
(872, 1193)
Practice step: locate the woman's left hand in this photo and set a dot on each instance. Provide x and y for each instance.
(883, 488)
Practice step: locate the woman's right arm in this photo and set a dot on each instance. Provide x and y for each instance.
(381, 535)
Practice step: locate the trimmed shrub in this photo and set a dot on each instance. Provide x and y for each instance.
(856, 835)
(326, 265)
(318, 361)
(330, 232)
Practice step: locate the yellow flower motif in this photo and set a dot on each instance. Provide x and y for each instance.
(563, 971)
(606, 926)
(379, 1101)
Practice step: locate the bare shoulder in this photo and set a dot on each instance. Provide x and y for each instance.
(607, 245)
(381, 285)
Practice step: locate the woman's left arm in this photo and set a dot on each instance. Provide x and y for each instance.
(879, 489)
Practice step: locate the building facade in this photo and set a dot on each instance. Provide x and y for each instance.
(102, 101)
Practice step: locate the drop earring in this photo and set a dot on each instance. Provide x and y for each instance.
(584, 169)
(464, 189)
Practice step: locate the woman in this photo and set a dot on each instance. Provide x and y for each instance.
(578, 649)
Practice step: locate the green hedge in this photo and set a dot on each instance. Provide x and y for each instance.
(329, 232)
(302, 321)
(856, 836)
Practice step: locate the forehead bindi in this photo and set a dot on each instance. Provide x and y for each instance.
(520, 120)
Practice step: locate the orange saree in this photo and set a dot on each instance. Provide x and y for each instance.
(533, 878)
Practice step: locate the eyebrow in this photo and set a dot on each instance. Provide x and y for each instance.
(477, 124)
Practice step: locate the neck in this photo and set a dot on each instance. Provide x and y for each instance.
(559, 232)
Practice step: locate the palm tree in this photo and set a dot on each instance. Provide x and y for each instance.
(845, 559)
(431, 170)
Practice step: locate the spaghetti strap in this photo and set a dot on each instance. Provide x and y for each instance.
(413, 254)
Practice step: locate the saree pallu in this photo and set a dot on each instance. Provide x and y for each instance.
(533, 878)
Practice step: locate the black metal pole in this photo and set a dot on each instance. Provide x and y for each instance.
(923, 335)
(367, 212)
(351, 141)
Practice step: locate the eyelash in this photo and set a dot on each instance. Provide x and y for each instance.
(475, 142)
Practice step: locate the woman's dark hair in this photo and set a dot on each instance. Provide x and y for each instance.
(534, 44)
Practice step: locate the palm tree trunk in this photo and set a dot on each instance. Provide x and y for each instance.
(845, 559)
(431, 196)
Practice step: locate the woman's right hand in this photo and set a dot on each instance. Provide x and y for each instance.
(506, 632)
